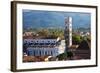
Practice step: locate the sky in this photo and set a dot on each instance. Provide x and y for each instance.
(54, 19)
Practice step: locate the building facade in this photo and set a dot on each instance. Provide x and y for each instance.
(42, 47)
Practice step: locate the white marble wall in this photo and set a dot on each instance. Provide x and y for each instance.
(42, 51)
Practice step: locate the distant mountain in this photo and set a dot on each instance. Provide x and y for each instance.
(84, 29)
(48, 19)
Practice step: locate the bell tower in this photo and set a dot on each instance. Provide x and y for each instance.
(68, 31)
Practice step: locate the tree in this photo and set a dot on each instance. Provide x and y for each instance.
(65, 56)
(43, 32)
(62, 56)
(69, 55)
(76, 39)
